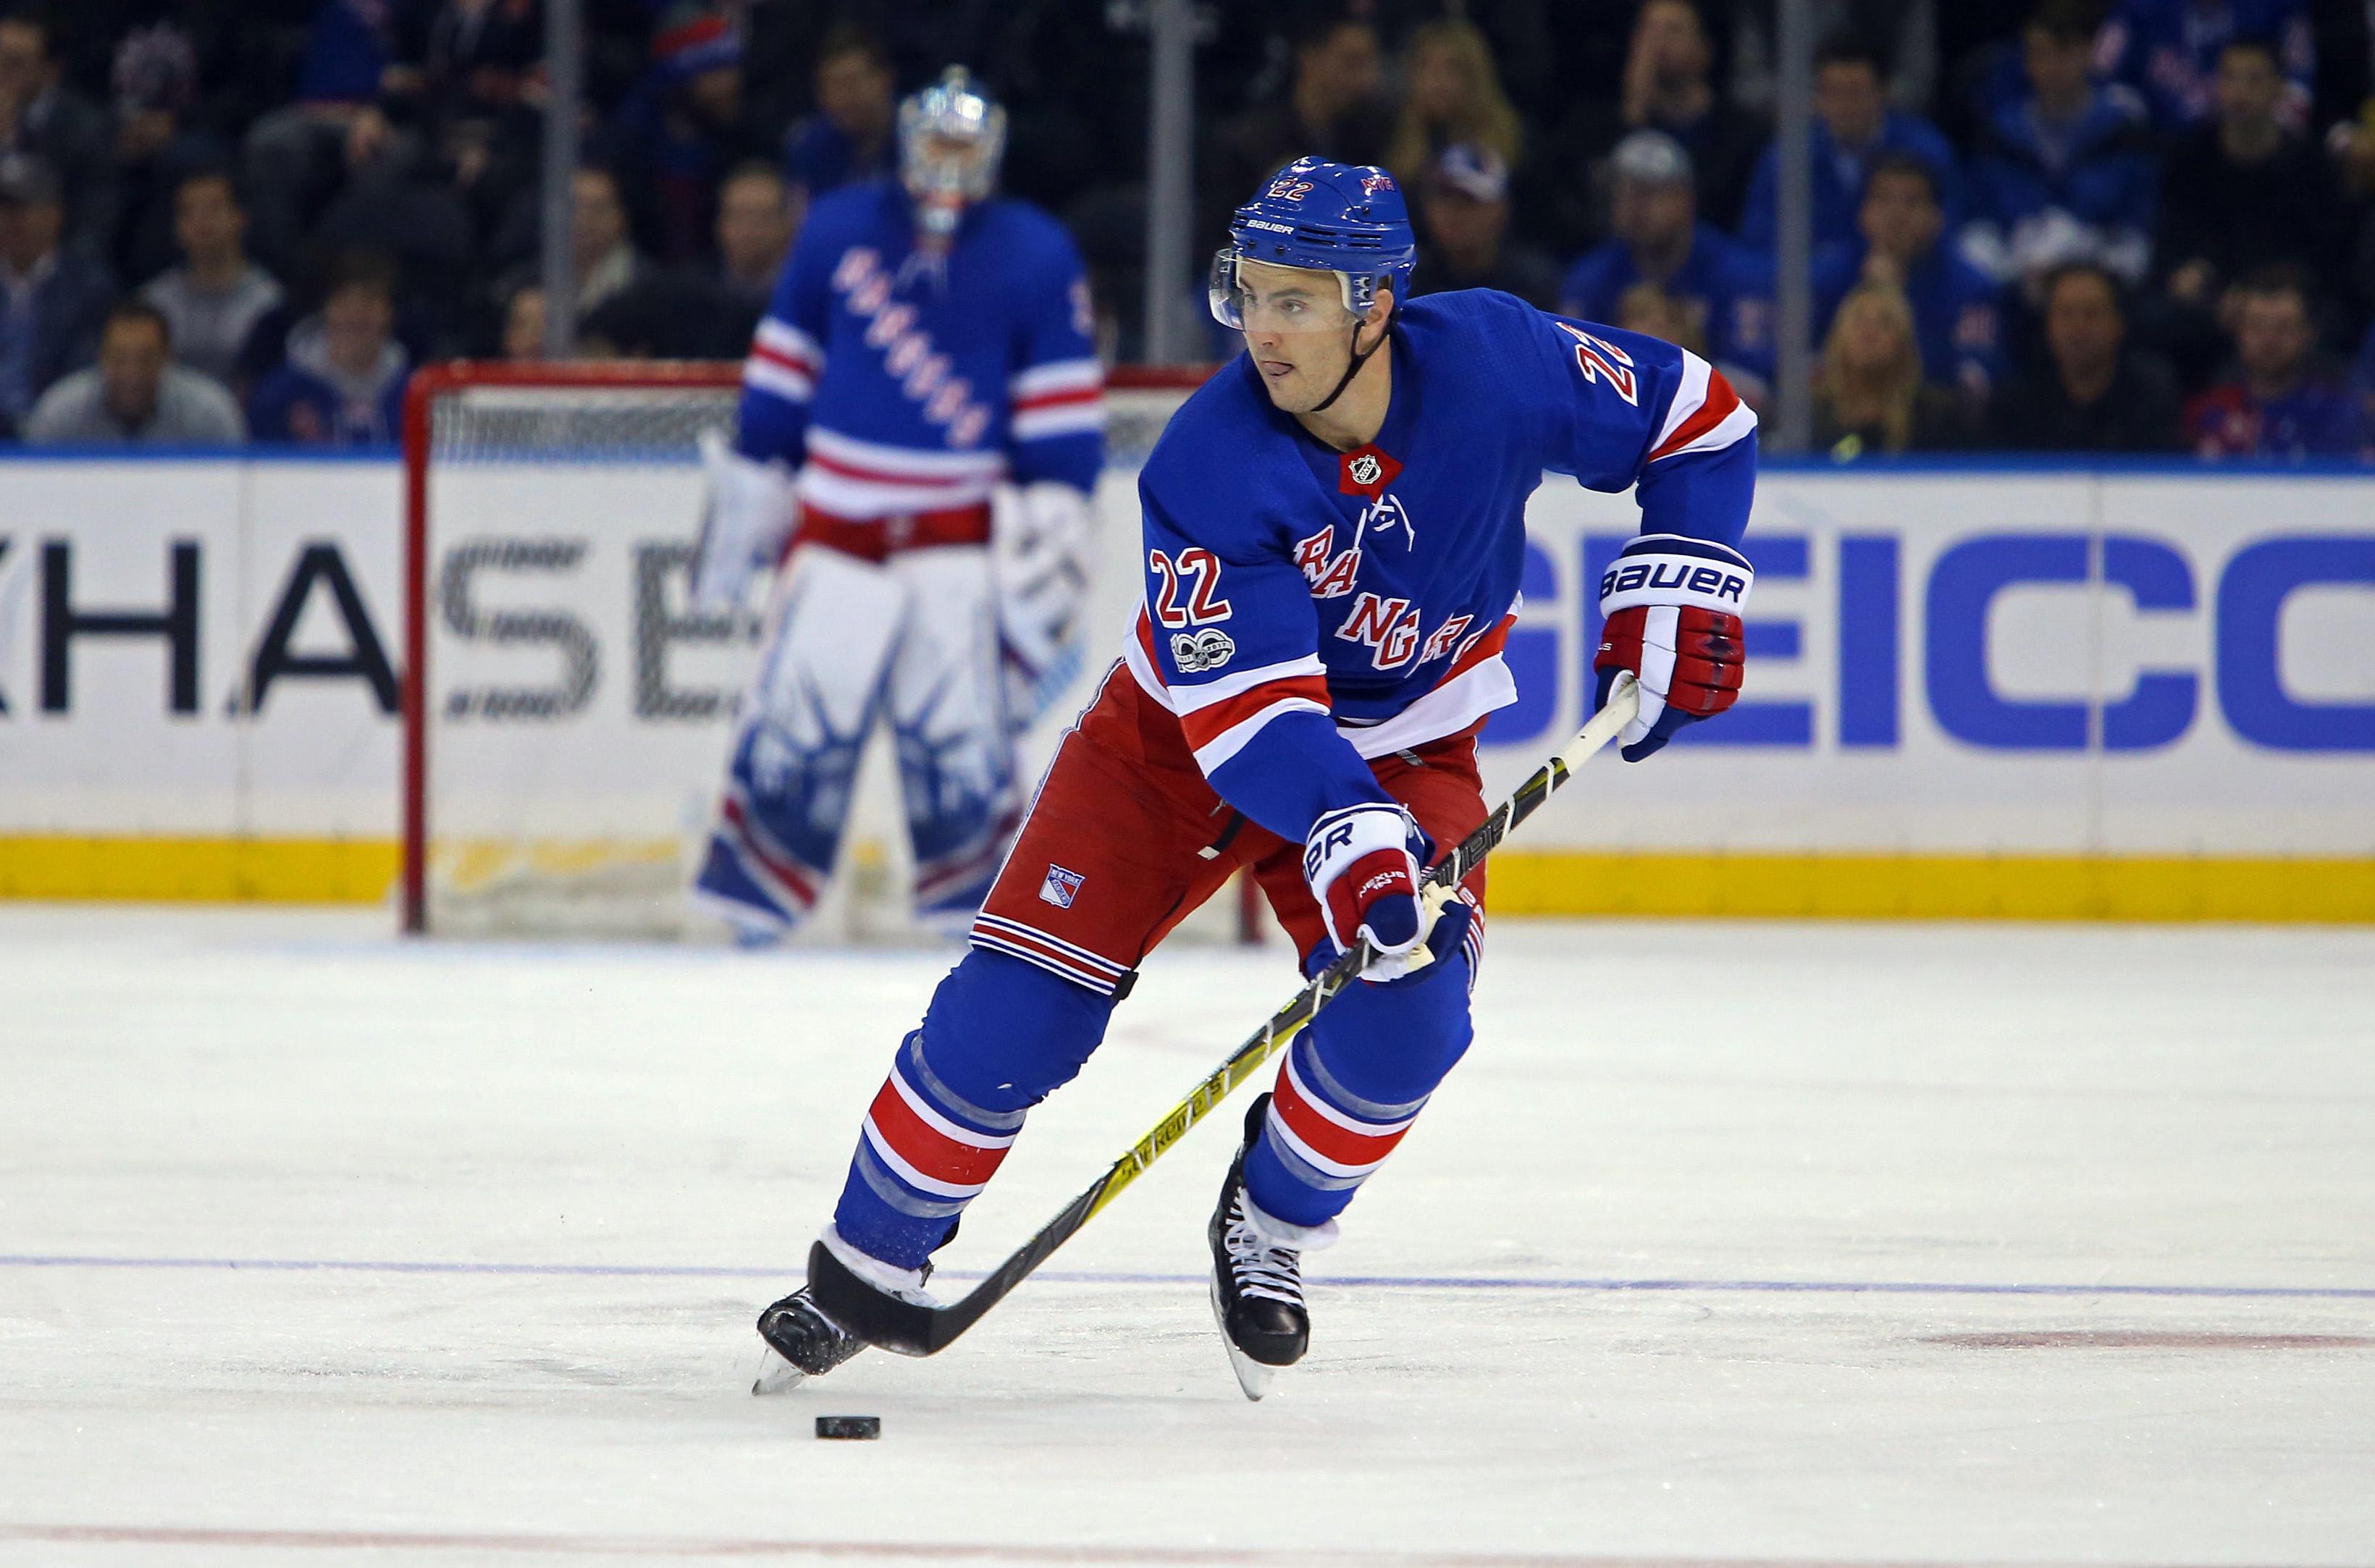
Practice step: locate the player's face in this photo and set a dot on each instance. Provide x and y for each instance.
(1297, 331)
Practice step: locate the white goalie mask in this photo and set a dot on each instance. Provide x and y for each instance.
(951, 137)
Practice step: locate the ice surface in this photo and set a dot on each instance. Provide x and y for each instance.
(1930, 1244)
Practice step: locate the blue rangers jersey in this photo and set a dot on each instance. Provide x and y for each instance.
(898, 382)
(1307, 608)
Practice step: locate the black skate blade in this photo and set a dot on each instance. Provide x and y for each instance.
(1254, 1377)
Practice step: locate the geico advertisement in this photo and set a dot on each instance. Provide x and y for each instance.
(1947, 661)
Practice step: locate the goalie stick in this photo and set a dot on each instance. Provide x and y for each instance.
(913, 1329)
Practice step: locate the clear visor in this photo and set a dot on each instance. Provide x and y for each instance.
(1251, 296)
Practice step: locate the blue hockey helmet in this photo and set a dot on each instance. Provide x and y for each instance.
(1348, 219)
(951, 136)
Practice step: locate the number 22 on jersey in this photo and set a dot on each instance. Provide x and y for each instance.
(1196, 575)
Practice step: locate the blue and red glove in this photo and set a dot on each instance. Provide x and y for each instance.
(1362, 865)
(1673, 609)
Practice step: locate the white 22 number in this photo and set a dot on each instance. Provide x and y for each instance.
(1598, 359)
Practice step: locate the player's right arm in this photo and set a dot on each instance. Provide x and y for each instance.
(751, 509)
(1231, 633)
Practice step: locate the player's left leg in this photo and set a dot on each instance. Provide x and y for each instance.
(1350, 1087)
(949, 719)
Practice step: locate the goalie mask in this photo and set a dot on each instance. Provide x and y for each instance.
(951, 140)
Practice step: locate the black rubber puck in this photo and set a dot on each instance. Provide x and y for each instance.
(849, 1426)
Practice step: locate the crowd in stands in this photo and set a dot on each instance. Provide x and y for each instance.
(2109, 226)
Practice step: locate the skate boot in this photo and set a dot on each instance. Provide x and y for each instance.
(803, 1342)
(1258, 1276)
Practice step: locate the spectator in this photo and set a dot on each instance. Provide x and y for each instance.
(1452, 97)
(215, 298)
(1667, 87)
(401, 200)
(848, 139)
(2094, 394)
(602, 254)
(523, 335)
(1906, 32)
(1660, 239)
(42, 116)
(1465, 211)
(1954, 303)
(2168, 51)
(463, 61)
(684, 127)
(1335, 107)
(2065, 175)
(2244, 191)
(135, 392)
(1853, 127)
(156, 75)
(708, 310)
(1869, 396)
(1645, 308)
(604, 257)
(52, 299)
(295, 158)
(2278, 402)
(343, 382)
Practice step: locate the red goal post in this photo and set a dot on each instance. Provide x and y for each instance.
(562, 710)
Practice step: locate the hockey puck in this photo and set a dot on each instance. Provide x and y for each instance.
(849, 1426)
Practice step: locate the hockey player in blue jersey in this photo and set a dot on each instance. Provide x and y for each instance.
(920, 428)
(1334, 529)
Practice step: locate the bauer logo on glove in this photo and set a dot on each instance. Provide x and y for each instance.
(1673, 606)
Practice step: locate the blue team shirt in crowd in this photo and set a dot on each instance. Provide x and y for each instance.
(2168, 50)
(1956, 314)
(1839, 180)
(1713, 277)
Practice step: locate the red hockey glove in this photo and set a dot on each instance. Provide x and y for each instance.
(1362, 865)
(1673, 608)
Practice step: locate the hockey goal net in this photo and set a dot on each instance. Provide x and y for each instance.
(568, 713)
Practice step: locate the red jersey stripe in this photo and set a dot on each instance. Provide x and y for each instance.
(1207, 724)
(1720, 401)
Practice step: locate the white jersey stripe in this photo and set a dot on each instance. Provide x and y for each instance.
(1056, 375)
(1733, 426)
(862, 499)
(766, 375)
(1189, 699)
(1065, 418)
(1689, 397)
(905, 462)
(1232, 740)
(785, 338)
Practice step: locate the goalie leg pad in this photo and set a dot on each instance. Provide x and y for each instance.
(803, 729)
(955, 744)
(1353, 1083)
(1000, 1037)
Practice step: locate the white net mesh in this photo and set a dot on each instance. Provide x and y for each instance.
(577, 712)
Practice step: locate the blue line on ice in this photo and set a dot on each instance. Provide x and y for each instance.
(1374, 1281)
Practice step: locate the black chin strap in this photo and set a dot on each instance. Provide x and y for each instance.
(1359, 360)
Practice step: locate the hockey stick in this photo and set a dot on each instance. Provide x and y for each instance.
(880, 1319)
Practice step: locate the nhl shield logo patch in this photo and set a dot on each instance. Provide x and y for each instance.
(1061, 887)
(1364, 469)
(1206, 650)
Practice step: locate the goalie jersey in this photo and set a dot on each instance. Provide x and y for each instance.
(898, 382)
(1306, 609)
